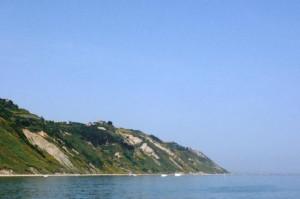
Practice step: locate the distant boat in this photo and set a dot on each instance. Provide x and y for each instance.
(178, 174)
(163, 175)
(45, 176)
(131, 174)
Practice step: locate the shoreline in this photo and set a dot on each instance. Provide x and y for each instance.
(103, 175)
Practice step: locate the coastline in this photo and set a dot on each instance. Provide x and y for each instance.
(103, 175)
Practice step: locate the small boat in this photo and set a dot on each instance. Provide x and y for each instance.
(178, 174)
(132, 174)
(163, 175)
(45, 176)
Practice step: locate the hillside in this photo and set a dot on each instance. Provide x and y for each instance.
(29, 144)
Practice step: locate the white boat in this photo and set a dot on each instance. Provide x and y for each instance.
(132, 174)
(45, 176)
(163, 175)
(178, 174)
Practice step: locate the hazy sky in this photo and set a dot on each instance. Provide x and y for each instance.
(220, 76)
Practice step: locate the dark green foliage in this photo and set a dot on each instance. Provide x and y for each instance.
(91, 148)
(155, 138)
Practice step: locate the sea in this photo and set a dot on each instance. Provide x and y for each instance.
(152, 187)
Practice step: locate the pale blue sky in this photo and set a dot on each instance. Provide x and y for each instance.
(220, 76)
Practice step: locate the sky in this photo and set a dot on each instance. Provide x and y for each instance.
(220, 76)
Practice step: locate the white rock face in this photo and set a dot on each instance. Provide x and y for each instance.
(117, 155)
(67, 134)
(174, 162)
(76, 152)
(169, 152)
(130, 139)
(39, 140)
(101, 128)
(198, 153)
(148, 150)
(6, 172)
(173, 157)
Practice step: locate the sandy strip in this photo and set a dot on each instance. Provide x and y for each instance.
(69, 175)
(88, 175)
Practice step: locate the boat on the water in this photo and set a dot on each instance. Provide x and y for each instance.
(131, 174)
(45, 176)
(163, 175)
(178, 174)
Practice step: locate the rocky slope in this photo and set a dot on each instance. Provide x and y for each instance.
(30, 144)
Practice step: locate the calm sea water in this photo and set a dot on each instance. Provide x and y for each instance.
(152, 187)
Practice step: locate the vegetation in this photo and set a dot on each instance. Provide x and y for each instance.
(97, 147)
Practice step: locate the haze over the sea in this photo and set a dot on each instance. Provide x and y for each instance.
(222, 77)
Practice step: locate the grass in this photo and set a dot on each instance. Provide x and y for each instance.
(94, 146)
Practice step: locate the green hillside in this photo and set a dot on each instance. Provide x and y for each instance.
(31, 144)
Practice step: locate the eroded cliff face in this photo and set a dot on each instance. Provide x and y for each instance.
(30, 144)
(39, 140)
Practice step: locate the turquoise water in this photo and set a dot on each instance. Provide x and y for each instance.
(152, 187)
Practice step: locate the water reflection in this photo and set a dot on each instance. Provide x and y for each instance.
(151, 187)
